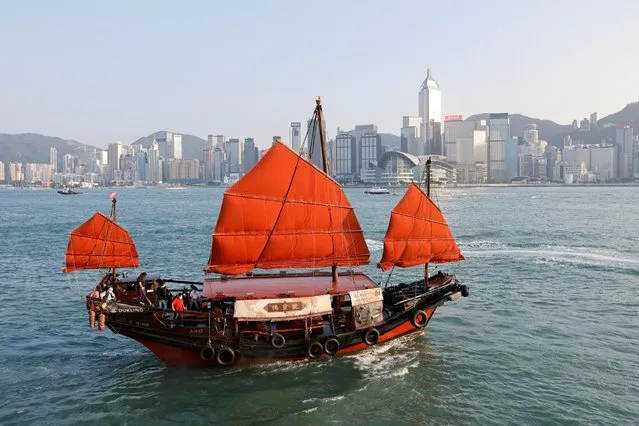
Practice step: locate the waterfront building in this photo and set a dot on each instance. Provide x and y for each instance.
(16, 173)
(68, 163)
(625, 149)
(370, 152)
(2, 172)
(250, 154)
(220, 165)
(174, 147)
(183, 171)
(531, 134)
(234, 153)
(411, 136)
(53, 158)
(455, 129)
(295, 136)
(498, 134)
(114, 153)
(345, 157)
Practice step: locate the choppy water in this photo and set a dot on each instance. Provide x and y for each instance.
(549, 334)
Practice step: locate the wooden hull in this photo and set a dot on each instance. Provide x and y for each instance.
(199, 339)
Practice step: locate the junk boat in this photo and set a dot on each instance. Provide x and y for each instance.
(289, 215)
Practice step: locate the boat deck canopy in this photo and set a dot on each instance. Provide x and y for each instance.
(284, 285)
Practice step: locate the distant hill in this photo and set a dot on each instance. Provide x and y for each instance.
(192, 146)
(548, 130)
(391, 140)
(34, 148)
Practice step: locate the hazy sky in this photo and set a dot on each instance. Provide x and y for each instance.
(104, 71)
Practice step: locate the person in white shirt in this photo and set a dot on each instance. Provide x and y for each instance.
(194, 296)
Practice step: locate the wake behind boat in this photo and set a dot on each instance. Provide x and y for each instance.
(284, 214)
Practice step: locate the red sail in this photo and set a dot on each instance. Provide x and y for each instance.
(285, 213)
(100, 243)
(417, 234)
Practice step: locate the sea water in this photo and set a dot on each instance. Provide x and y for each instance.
(548, 335)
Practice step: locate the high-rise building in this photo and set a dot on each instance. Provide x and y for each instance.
(314, 146)
(216, 141)
(234, 151)
(575, 125)
(455, 129)
(593, 119)
(625, 150)
(174, 147)
(2, 172)
(250, 154)
(208, 163)
(115, 151)
(411, 136)
(141, 166)
(219, 165)
(295, 137)
(498, 134)
(154, 172)
(531, 134)
(430, 110)
(53, 158)
(16, 173)
(370, 152)
(68, 163)
(584, 125)
(345, 157)
(277, 138)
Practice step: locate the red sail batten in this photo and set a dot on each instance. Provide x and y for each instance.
(417, 234)
(100, 243)
(285, 213)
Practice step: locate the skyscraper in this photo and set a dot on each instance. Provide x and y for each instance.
(2, 176)
(216, 141)
(115, 151)
(53, 158)
(625, 150)
(234, 151)
(430, 110)
(294, 136)
(498, 134)
(174, 146)
(277, 138)
(250, 157)
(411, 135)
(345, 157)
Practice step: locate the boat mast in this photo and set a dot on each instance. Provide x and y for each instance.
(318, 116)
(427, 173)
(114, 216)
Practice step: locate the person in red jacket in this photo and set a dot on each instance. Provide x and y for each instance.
(178, 307)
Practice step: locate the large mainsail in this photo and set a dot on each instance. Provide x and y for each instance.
(285, 213)
(100, 243)
(417, 233)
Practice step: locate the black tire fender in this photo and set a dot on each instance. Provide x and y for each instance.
(331, 346)
(371, 337)
(207, 353)
(419, 319)
(225, 356)
(277, 340)
(315, 349)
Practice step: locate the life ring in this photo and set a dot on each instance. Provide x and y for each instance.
(464, 291)
(225, 356)
(277, 341)
(419, 319)
(207, 353)
(315, 349)
(331, 346)
(371, 337)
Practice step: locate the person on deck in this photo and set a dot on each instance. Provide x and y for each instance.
(194, 298)
(141, 282)
(162, 295)
(178, 307)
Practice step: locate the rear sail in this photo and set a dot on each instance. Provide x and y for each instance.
(285, 213)
(417, 234)
(100, 243)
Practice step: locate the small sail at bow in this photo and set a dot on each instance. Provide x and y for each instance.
(285, 213)
(100, 243)
(417, 234)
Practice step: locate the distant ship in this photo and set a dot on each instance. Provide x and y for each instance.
(375, 190)
(284, 213)
(68, 191)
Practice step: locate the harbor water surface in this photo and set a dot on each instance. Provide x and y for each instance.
(548, 335)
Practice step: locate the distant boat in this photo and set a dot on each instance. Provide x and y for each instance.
(375, 190)
(68, 191)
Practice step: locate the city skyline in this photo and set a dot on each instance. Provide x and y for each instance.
(109, 72)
